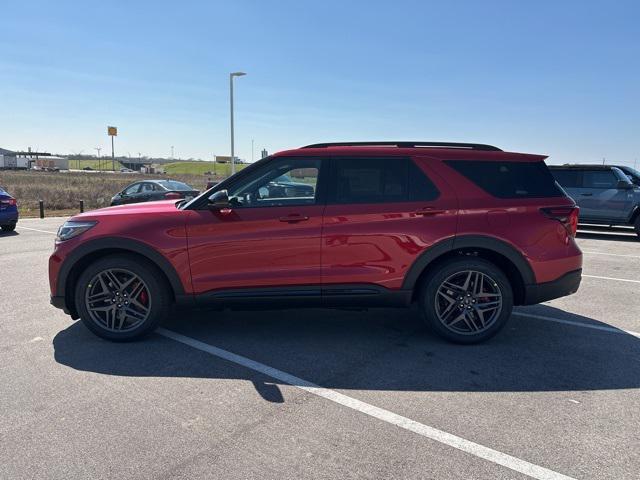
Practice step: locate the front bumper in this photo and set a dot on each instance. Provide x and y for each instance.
(563, 286)
(60, 302)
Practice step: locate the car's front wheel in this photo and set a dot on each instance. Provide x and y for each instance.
(636, 225)
(466, 300)
(122, 297)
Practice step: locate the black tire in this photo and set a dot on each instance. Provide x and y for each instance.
(9, 228)
(160, 298)
(636, 226)
(429, 297)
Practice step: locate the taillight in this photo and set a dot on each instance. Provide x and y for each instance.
(172, 195)
(568, 216)
(10, 202)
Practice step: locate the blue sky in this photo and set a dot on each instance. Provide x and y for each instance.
(560, 77)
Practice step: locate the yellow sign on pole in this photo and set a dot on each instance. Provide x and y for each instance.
(112, 131)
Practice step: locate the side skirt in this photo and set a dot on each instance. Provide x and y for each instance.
(310, 296)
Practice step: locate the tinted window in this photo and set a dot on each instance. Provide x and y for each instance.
(377, 180)
(568, 178)
(509, 179)
(147, 187)
(632, 174)
(603, 179)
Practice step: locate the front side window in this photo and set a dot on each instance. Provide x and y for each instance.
(282, 182)
(601, 179)
(379, 180)
(132, 189)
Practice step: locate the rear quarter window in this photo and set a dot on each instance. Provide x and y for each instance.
(509, 179)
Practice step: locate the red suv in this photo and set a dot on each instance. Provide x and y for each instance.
(465, 230)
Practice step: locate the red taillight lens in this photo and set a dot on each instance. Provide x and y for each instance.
(11, 202)
(172, 196)
(568, 216)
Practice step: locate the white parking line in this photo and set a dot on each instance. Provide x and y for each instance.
(610, 254)
(612, 278)
(36, 230)
(578, 324)
(405, 423)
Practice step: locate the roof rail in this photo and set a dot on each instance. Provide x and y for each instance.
(408, 144)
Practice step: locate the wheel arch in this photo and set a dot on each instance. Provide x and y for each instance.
(88, 253)
(504, 256)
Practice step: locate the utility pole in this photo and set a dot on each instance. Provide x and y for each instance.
(231, 75)
(252, 150)
(98, 149)
(171, 152)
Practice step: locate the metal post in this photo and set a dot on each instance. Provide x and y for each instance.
(41, 205)
(113, 158)
(81, 206)
(233, 163)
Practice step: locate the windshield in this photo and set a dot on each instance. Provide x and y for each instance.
(633, 174)
(174, 185)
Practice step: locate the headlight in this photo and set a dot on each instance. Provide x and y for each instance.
(72, 229)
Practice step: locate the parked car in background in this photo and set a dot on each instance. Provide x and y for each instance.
(465, 231)
(126, 170)
(606, 194)
(8, 211)
(150, 190)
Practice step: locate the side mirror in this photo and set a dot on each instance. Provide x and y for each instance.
(622, 185)
(219, 200)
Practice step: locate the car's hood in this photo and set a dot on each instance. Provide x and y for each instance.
(143, 208)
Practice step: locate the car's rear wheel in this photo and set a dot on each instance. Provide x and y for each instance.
(9, 228)
(122, 297)
(466, 300)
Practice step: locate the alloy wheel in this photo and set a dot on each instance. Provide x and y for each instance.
(468, 302)
(118, 300)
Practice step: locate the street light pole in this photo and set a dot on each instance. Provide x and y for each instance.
(233, 159)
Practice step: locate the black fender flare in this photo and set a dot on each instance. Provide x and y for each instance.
(468, 241)
(108, 243)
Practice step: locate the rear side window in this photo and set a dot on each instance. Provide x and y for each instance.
(603, 179)
(568, 178)
(509, 179)
(380, 180)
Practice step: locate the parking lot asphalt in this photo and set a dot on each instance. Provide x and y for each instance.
(322, 393)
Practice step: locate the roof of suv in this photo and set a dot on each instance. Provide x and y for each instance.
(592, 166)
(441, 150)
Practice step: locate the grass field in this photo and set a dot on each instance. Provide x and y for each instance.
(62, 191)
(103, 164)
(200, 168)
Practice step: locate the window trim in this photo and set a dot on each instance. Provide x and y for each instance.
(333, 172)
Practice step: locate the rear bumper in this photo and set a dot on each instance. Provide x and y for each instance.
(563, 286)
(8, 218)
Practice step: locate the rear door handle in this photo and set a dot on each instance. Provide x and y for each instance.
(427, 211)
(294, 218)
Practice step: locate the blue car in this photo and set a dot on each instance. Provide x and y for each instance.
(8, 211)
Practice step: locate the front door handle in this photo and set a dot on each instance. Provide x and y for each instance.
(586, 194)
(294, 218)
(428, 211)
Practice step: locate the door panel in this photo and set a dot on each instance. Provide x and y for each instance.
(601, 198)
(252, 247)
(270, 234)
